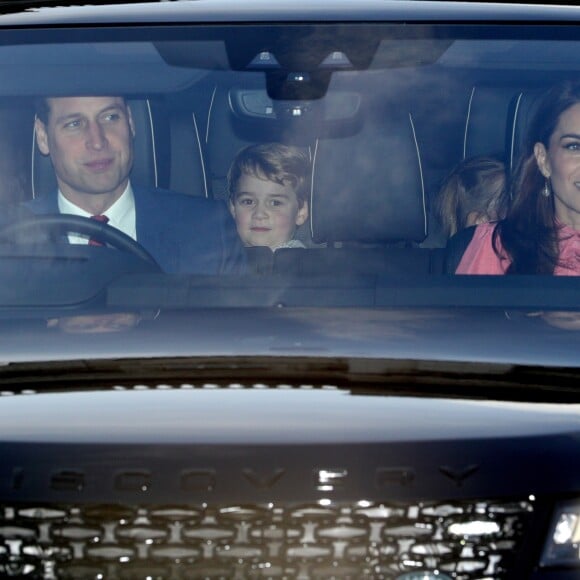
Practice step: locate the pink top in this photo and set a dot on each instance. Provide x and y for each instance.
(480, 257)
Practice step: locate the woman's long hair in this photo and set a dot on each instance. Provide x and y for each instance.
(529, 234)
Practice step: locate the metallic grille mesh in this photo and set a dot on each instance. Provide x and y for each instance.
(466, 541)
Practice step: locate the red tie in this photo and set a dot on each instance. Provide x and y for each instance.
(99, 218)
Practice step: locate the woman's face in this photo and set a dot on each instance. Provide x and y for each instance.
(560, 162)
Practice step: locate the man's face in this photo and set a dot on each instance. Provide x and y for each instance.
(89, 140)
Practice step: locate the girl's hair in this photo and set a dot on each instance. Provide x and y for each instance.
(283, 164)
(477, 186)
(529, 234)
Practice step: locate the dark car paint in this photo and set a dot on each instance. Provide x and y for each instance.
(290, 11)
(409, 334)
(446, 446)
(129, 417)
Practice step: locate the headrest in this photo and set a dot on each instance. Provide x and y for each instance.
(368, 187)
(145, 159)
(523, 110)
(241, 116)
(487, 121)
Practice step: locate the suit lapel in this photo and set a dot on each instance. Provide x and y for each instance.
(45, 204)
(152, 228)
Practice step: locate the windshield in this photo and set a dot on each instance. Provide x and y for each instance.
(383, 190)
(290, 290)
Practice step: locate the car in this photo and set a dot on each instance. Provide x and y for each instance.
(176, 402)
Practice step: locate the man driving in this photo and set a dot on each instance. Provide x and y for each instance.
(90, 143)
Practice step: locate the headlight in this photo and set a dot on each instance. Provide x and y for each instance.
(563, 545)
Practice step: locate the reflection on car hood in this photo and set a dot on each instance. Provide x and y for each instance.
(276, 416)
(445, 334)
(407, 339)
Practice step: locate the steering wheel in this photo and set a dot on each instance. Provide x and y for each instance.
(48, 228)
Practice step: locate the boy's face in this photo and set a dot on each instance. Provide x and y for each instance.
(266, 212)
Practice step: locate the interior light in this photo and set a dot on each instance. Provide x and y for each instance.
(336, 59)
(563, 544)
(264, 60)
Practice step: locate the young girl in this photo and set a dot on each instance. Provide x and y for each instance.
(474, 193)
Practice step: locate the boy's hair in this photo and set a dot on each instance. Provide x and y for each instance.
(283, 164)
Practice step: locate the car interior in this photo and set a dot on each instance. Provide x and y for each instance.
(383, 122)
(419, 364)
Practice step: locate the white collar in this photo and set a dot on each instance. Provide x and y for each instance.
(121, 214)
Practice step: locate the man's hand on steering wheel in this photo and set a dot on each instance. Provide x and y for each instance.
(50, 228)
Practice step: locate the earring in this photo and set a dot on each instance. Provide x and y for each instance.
(547, 190)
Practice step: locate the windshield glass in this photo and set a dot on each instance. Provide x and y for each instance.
(384, 190)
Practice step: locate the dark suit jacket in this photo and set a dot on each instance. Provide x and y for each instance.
(183, 233)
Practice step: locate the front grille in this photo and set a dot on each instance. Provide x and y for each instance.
(464, 540)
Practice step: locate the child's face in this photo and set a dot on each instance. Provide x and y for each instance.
(266, 212)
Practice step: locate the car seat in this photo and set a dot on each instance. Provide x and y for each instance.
(242, 114)
(523, 108)
(367, 203)
(520, 112)
(487, 124)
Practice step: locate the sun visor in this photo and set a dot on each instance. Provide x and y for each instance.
(84, 68)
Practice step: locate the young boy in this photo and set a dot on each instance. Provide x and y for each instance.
(267, 194)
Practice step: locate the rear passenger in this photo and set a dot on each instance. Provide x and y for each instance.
(475, 192)
(267, 186)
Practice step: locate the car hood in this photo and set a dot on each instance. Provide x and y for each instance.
(278, 415)
(446, 334)
(473, 350)
(243, 443)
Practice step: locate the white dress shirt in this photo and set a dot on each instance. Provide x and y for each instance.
(121, 215)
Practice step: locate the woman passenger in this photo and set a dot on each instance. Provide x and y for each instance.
(541, 233)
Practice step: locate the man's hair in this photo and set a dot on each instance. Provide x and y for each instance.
(42, 108)
(283, 164)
